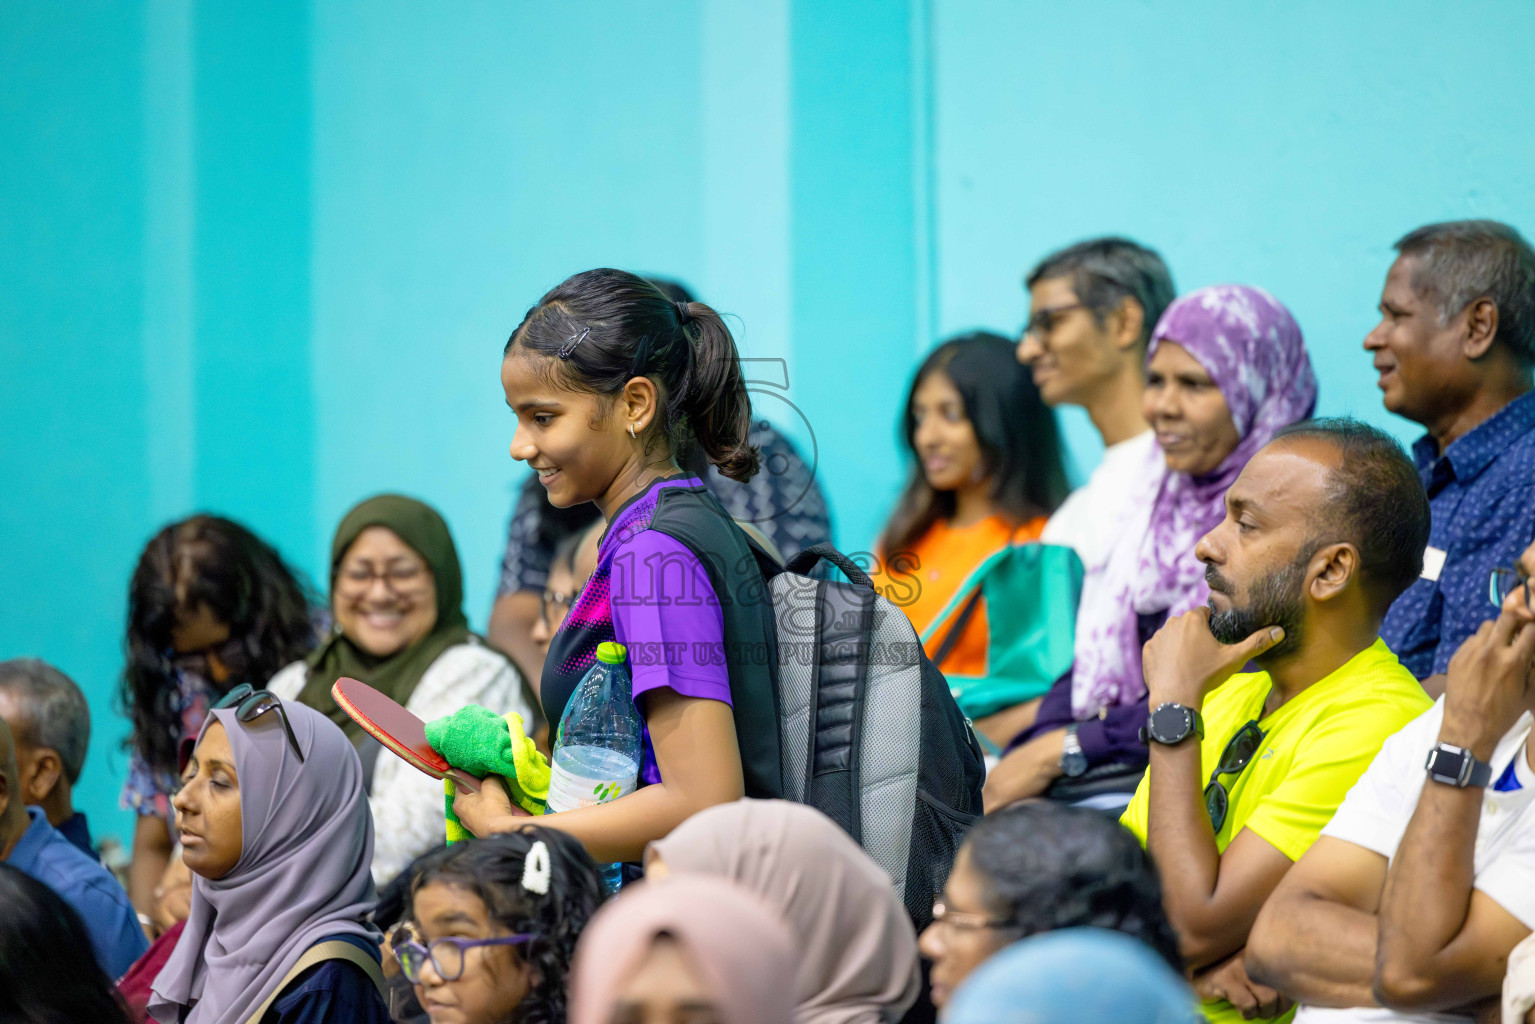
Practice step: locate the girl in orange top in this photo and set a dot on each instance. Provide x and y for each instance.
(988, 473)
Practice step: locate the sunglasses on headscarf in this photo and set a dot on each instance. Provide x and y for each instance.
(249, 704)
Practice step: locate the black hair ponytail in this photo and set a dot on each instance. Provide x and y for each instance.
(717, 406)
(602, 328)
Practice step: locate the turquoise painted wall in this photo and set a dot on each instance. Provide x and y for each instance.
(261, 258)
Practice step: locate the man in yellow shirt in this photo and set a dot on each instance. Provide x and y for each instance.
(1323, 529)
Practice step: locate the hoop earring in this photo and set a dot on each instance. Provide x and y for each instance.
(631, 432)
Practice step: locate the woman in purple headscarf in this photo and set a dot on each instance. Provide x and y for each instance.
(275, 826)
(1226, 370)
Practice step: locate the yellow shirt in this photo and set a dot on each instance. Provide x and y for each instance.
(1314, 749)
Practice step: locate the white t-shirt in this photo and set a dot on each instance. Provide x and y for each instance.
(1376, 811)
(408, 814)
(1089, 519)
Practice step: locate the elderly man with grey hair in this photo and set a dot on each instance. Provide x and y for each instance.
(51, 724)
(1454, 350)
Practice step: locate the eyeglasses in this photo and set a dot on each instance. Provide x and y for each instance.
(446, 955)
(965, 921)
(1504, 582)
(1042, 323)
(231, 657)
(1237, 755)
(556, 607)
(402, 579)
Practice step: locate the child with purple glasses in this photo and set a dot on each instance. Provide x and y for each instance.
(493, 925)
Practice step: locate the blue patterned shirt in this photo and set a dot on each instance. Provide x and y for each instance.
(1482, 495)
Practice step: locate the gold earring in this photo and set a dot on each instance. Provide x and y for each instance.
(631, 432)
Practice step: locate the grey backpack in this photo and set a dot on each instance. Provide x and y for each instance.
(835, 702)
(869, 733)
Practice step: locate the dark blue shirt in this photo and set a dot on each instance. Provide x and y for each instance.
(78, 832)
(1482, 495)
(84, 884)
(331, 992)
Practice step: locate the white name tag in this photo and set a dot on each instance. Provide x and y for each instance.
(1433, 563)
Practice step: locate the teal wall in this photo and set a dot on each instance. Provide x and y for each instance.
(261, 258)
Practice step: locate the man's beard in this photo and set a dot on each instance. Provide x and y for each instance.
(1275, 600)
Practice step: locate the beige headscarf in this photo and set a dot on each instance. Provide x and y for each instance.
(736, 942)
(858, 950)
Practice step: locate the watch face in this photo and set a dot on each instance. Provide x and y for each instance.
(1445, 765)
(1170, 724)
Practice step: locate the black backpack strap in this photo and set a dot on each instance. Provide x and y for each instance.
(805, 562)
(951, 638)
(845, 621)
(695, 517)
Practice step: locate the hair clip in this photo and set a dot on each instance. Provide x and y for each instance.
(571, 343)
(641, 357)
(536, 869)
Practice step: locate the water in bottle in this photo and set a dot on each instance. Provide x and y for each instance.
(598, 745)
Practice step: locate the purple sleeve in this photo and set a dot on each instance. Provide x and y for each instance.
(1111, 737)
(1115, 735)
(666, 613)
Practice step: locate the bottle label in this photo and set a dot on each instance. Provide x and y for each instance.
(568, 791)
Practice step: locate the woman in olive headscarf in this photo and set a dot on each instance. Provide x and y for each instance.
(396, 594)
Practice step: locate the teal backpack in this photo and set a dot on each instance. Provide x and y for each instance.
(1031, 593)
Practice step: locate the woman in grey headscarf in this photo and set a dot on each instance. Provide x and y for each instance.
(275, 826)
(857, 948)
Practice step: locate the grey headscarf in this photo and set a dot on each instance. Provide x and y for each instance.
(303, 873)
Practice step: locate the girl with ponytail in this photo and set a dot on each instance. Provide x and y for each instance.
(613, 385)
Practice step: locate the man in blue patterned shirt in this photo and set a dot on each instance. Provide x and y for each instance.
(1454, 350)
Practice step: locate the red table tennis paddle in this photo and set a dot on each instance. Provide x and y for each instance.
(397, 729)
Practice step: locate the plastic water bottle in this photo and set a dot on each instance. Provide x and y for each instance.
(597, 748)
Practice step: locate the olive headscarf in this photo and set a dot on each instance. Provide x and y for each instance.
(420, 527)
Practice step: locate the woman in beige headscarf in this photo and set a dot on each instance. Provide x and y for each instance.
(858, 950)
(669, 949)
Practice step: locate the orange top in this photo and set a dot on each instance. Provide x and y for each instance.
(945, 558)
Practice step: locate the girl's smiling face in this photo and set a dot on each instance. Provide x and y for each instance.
(577, 441)
(493, 981)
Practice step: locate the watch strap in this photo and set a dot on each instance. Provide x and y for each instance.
(1070, 743)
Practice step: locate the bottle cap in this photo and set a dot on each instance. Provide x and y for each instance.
(611, 653)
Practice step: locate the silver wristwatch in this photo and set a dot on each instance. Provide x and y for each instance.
(1073, 761)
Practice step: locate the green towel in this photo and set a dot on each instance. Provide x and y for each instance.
(479, 741)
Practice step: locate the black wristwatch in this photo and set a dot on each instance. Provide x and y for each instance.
(1073, 761)
(1457, 766)
(1171, 724)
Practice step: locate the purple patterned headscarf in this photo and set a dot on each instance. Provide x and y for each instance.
(1252, 349)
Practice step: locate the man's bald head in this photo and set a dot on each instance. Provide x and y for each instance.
(1374, 500)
